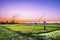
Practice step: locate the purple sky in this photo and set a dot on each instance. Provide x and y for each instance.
(30, 9)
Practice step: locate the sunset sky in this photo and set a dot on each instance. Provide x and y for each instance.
(30, 10)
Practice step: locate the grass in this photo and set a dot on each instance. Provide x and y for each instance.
(26, 28)
(7, 35)
(29, 27)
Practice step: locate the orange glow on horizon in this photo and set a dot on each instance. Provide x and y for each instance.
(4, 19)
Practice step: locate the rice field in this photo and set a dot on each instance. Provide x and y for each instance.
(20, 32)
(29, 27)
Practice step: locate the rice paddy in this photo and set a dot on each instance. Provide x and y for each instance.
(25, 31)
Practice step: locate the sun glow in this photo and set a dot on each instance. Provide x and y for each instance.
(29, 11)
